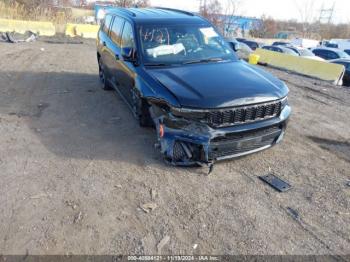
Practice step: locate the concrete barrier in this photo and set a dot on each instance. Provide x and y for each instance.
(21, 26)
(83, 30)
(305, 66)
(70, 30)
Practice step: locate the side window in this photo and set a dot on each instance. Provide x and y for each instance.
(331, 55)
(116, 30)
(279, 50)
(128, 36)
(320, 53)
(106, 23)
(275, 49)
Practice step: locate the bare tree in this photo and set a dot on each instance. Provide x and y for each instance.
(231, 8)
(306, 10)
(132, 3)
(211, 10)
(267, 29)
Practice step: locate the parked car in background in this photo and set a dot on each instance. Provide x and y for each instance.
(305, 43)
(242, 50)
(341, 44)
(346, 64)
(234, 44)
(280, 43)
(241, 39)
(347, 51)
(252, 44)
(304, 52)
(331, 45)
(330, 53)
(280, 49)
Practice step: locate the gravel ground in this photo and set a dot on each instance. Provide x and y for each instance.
(75, 170)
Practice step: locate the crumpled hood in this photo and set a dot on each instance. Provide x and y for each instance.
(218, 85)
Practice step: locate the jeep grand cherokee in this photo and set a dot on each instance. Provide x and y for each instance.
(177, 73)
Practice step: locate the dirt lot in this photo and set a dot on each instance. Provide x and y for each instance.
(76, 168)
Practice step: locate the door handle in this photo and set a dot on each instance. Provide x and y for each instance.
(116, 57)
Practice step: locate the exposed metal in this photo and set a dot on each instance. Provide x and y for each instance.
(276, 182)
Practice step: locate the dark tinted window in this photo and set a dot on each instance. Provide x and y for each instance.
(128, 36)
(116, 30)
(273, 48)
(347, 51)
(331, 45)
(320, 53)
(280, 43)
(332, 55)
(252, 45)
(106, 23)
(276, 49)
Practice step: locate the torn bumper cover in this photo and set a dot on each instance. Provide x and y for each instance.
(189, 137)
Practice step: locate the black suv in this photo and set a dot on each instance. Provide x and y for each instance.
(177, 73)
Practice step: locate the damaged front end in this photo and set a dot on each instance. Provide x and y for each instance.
(189, 137)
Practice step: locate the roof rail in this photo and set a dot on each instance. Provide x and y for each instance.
(125, 10)
(175, 10)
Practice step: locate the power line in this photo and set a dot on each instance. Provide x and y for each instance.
(326, 14)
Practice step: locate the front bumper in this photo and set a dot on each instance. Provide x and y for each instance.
(184, 142)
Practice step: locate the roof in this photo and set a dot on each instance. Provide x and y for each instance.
(327, 48)
(159, 15)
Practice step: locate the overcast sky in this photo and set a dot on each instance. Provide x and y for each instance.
(279, 9)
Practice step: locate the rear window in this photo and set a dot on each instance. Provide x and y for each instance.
(106, 23)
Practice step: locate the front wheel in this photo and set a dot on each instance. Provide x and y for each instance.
(140, 109)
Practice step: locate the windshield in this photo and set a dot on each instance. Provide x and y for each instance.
(180, 44)
(305, 52)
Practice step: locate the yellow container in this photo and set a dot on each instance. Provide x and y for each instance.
(254, 59)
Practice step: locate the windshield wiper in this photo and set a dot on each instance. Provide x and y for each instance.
(207, 60)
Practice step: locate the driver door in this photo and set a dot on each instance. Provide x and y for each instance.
(126, 70)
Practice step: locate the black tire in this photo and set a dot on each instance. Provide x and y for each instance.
(141, 112)
(101, 73)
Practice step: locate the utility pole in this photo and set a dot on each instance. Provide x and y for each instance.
(326, 14)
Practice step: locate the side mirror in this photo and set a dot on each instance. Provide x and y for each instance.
(129, 54)
(235, 46)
